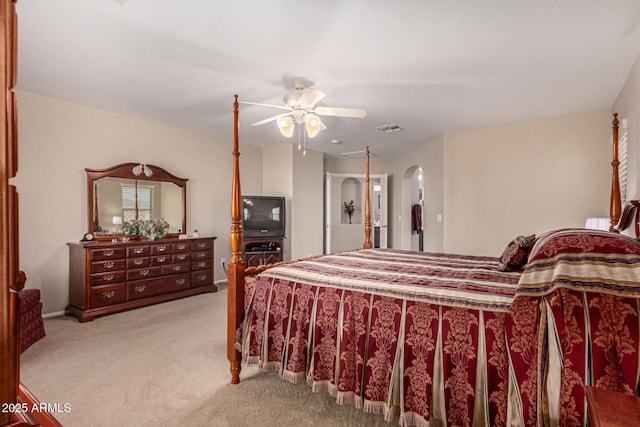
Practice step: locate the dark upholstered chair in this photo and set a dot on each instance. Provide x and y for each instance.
(30, 323)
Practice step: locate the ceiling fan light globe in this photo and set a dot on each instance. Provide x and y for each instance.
(313, 125)
(285, 124)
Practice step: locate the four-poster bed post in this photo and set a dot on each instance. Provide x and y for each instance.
(236, 267)
(615, 206)
(235, 277)
(367, 208)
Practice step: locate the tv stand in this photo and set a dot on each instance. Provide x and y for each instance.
(262, 250)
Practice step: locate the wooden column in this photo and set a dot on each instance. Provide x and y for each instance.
(367, 208)
(235, 276)
(9, 274)
(615, 205)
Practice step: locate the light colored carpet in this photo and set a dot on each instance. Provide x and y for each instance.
(166, 365)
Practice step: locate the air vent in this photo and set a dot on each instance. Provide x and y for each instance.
(390, 128)
(358, 154)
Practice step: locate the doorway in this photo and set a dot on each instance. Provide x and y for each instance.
(412, 211)
(346, 232)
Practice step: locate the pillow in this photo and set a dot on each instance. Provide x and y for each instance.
(514, 256)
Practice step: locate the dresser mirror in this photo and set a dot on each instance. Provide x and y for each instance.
(131, 191)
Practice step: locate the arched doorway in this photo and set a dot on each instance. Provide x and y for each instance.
(412, 209)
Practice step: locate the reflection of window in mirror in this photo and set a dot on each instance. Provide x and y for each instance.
(145, 198)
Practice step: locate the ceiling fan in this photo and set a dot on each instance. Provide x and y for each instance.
(301, 110)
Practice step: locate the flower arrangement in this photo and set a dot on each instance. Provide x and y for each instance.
(349, 208)
(152, 229)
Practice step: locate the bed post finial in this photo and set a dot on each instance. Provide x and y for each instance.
(235, 275)
(615, 205)
(367, 209)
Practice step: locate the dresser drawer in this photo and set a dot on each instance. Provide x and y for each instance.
(181, 247)
(107, 278)
(201, 278)
(160, 249)
(107, 253)
(161, 259)
(200, 255)
(107, 295)
(137, 251)
(104, 266)
(201, 245)
(202, 264)
(185, 257)
(143, 273)
(175, 268)
(138, 262)
(161, 285)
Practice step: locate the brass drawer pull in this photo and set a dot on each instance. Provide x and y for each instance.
(161, 248)
(162, 259)
(108, 294)
(182, 257)
(202, 277)
(180, 281)
(138, 261)
(202, 255)
(182, 247)
(108, 253)
(201, 245)
(176, 268)
(140, 289)
(109, 264)
(138, 250)
(144, 272)
(202, 264)
(109, 277)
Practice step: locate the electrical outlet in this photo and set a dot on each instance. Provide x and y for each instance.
(223, 261)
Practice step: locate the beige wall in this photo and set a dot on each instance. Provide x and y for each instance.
(59, 139)
(307, 226)
(524, 178)
(298, 177)
(357, 166)
(428, 156)
(277, 162)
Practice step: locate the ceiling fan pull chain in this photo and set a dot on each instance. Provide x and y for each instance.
(299, 136)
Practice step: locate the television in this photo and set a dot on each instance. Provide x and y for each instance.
(263, 216)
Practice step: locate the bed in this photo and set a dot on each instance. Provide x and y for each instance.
(428, 339)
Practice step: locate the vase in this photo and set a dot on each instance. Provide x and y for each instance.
(350, 218)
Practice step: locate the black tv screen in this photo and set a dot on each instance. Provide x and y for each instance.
(263, 216)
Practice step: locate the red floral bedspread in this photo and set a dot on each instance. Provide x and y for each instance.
(414, 335)
(437, 339)
(574, 323)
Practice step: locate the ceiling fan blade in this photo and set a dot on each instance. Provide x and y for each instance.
(354, 113)
(310, 97)
(269, 119)
(281, 107)
(291, 100)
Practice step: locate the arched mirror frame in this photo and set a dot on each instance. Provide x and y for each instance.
(126, 171)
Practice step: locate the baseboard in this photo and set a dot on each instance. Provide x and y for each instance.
(217, 282)
(54, 314)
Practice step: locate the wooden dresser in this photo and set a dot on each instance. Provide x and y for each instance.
(107, 277)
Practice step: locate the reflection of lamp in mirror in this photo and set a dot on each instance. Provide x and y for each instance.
(117, 221)
(142, 168)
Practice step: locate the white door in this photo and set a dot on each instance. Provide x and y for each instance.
(346, 232)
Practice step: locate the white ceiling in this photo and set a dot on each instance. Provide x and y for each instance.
(430, 66)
